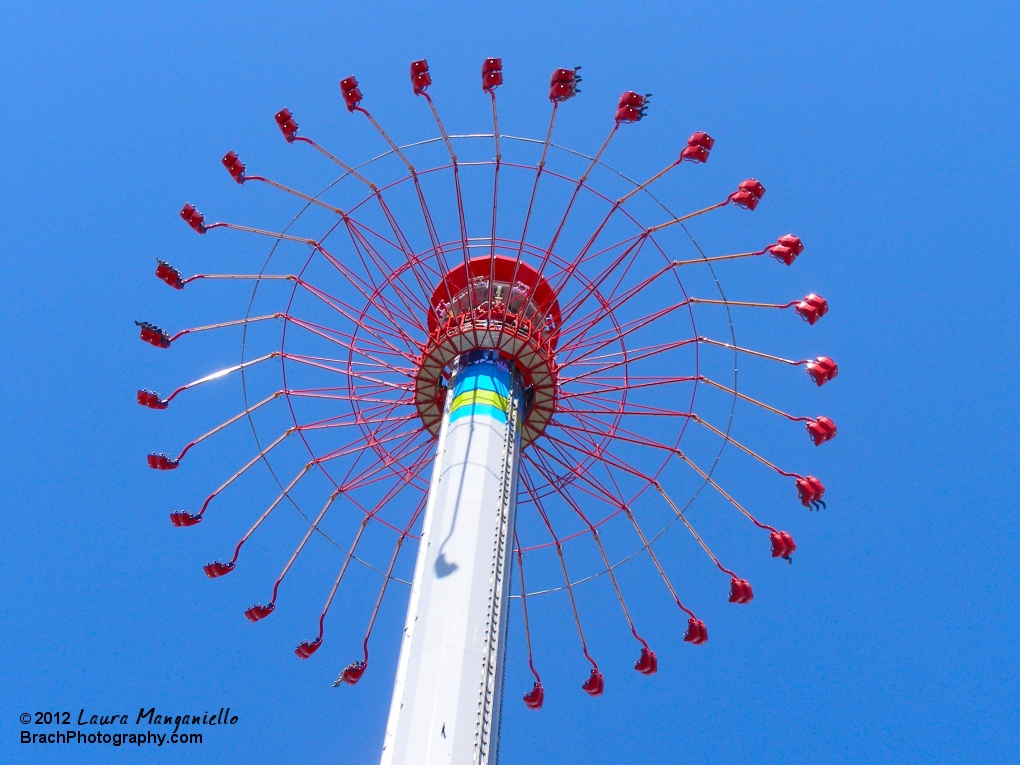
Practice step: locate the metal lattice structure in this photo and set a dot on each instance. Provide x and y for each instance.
(453, 319)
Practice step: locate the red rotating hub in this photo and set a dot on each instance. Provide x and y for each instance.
(505, 305)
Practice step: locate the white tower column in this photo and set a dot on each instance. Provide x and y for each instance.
(446, 696)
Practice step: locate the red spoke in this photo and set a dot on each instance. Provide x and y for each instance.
(524, 606)
(229, 422)
(386, 580)
(531, 204)
(565, 495)
(628, 256)
(427, 217)
(327, 334)
(357, 538)
(628, 357)
(526, 480)
(456, 183)
(311, 530)
(401, 240)
(637, 410)
(356, 282)
(390, 276)
(753, 353)
(608, 337)
(310, 361)
(634, 438)
(690, 528)
(573, 198)
(647, 546)
(220, 325)
(754, 401)
(221, 373)
(336, 454)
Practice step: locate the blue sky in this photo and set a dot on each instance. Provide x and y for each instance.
(887, 137)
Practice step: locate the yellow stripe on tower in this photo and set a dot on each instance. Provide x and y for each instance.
(477, 396)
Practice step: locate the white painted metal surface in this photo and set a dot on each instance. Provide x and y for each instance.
(446, 696)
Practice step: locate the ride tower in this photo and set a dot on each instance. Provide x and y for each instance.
(485, 378)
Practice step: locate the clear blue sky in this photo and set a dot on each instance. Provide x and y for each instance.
(887, 135)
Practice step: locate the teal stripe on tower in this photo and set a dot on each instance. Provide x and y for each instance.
(482, 390)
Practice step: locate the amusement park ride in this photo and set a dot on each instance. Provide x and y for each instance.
(513, 389)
